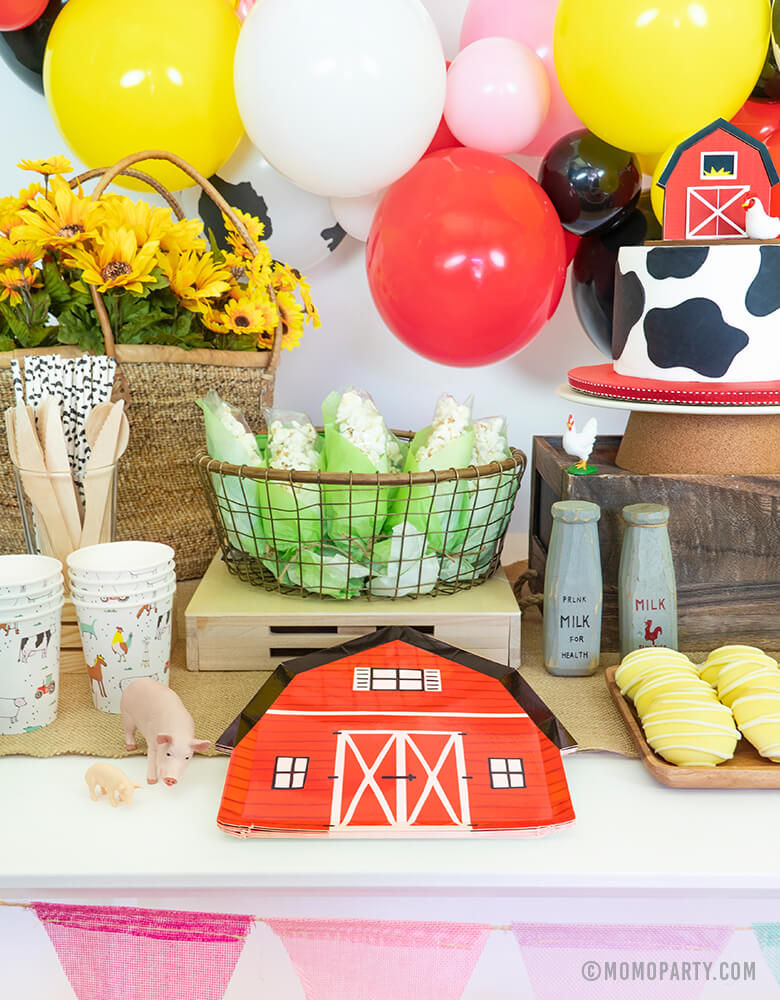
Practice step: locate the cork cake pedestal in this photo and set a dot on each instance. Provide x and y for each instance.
(673, 439)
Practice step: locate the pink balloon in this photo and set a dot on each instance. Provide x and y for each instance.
(497, 95)
(243, 7)
(530, 22)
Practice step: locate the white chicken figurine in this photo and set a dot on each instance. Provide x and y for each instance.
(759, 225)
(580, 443)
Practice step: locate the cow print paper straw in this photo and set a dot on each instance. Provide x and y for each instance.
(77, 384)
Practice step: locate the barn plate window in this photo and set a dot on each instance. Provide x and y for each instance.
(396, 679)
(290, 772)
(506, 772)
(718, 165)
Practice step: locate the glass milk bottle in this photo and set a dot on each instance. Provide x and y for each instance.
(647, 589)
(573, 591)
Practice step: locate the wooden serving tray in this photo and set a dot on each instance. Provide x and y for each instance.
(746, 769)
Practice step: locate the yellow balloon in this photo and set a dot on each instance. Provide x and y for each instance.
(657, 194)
(147, 74)
(640, 72)
(647, 162)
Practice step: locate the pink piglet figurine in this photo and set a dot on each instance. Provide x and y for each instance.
(165, 724)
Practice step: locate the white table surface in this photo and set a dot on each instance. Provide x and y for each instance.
(631, 833)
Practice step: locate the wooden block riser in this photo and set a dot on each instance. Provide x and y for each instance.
(258, 639)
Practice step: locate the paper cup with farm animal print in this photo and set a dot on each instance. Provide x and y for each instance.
(123, 641)
(28, 575)
(115, 562)
(29, 670)
(103, 593)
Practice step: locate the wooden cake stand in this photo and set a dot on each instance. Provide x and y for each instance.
(693, 439)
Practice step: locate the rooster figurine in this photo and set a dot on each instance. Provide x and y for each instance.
(759, 225)
(580, 443)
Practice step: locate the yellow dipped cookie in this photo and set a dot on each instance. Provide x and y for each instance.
(670, 683)
(691, 734)
(758, 717)
(736, 679)
(724, 655)
(642, 662)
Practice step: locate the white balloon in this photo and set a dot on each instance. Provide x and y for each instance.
(301, 229)
(341, 96)
(355, 215)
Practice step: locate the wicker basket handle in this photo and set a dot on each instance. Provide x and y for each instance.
(124, 167)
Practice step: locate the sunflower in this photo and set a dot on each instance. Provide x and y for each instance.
(238, 267)
(11, 207)
(250, 314)
(253, 226)
(213, 318)
(147, 222)
(116, 261)
(47, 167)
(18, 255)
(14, 282)
(260, 267)
(195, 277)
(62, 219)
(186, 234)
(293, 318)
(308, 305)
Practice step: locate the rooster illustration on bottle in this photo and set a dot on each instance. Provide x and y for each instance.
(651, 634)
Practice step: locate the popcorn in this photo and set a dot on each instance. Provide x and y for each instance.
(451, 420)
(360, 422)
(490, 443)
(292, 444)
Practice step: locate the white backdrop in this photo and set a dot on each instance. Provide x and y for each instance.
(353, 345)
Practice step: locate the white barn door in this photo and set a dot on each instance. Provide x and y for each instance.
(387, 778)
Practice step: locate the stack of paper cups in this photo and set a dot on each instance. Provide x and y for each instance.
(123, 595)
(31, 598)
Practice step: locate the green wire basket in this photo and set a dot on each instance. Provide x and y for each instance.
(345, 535)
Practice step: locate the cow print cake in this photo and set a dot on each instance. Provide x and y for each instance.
(698, 313)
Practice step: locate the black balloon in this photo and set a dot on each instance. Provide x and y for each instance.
(591, 184)
(23, 50)
(768, 86)
(593, 270)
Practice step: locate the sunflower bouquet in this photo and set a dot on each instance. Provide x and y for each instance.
(162, 282)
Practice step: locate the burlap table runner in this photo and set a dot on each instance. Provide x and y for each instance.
(582, 704)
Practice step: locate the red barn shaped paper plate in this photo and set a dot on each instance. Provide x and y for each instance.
(393, 734)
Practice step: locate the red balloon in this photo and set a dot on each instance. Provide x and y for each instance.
(444, 139)
(16, 14)
(466, 258)
(761, 119)
(572, 241)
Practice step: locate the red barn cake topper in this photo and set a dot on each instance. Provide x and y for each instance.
(394, 733)
(708, 179)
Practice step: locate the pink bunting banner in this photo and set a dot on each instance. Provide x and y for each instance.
(135, 954)
(608, 961)
(355, 959)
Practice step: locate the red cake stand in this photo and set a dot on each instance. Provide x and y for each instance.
(691, 428)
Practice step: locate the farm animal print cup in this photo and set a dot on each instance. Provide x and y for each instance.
(31, 598)
(115, 562)
(123, 641)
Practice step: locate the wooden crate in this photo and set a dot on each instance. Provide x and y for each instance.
(71, 653)
(231, 625)
(724, 532)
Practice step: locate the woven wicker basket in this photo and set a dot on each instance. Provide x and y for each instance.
(159, 498)
(337, 535)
